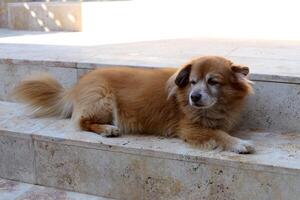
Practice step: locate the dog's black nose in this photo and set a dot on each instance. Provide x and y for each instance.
(196, 97)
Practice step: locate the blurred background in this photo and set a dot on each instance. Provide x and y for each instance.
(139, 20)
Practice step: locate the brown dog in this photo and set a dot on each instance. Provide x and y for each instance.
(198, 103)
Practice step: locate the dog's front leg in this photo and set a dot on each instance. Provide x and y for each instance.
(216, 139)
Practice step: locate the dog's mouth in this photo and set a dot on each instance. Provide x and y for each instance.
(201, 105)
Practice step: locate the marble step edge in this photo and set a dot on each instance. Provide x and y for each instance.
(146, 146)
(15, 190)
(91, 65)
(53, 153)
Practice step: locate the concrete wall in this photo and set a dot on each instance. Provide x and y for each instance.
(47, 16)
(4, 8)
(3, 12)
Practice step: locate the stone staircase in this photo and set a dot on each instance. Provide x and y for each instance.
(12, 190)
(51, 153)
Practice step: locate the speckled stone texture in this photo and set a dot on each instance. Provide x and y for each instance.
(274, 106)
(149, 167)
(16, 158)
(12, 190)
(127, 176)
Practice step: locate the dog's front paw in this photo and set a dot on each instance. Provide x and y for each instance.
(241, 146)
(111, 131)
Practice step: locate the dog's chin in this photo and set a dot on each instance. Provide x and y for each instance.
(202, 106)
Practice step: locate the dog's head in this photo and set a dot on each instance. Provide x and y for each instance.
(207, 81)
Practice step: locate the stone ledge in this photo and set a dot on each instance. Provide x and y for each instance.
(55, 154)
(67, 56)
(14, 122)
(14, 190)
(277, 77)
(114, 167)
(275, 61)
(262, 110)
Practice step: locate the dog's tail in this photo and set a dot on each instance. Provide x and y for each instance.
(44, 96)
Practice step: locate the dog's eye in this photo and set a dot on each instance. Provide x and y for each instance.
(212, 81)
(193, 82)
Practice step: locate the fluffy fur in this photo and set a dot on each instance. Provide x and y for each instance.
(123, 100)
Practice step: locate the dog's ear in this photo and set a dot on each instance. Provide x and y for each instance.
(239, 69)
(240, 78)
(182, 78)
(178, 80)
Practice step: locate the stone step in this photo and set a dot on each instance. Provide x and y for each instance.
(274, 66)
(275, 104)
(50, 152)
(14, 190)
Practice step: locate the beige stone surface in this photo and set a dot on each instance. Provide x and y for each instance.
(276, 151)
(8, 111)
(274, 106)
(13, 190)
(269, 60)
(150, 167)
(16, 158)
(129, 176)
(45, 16)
